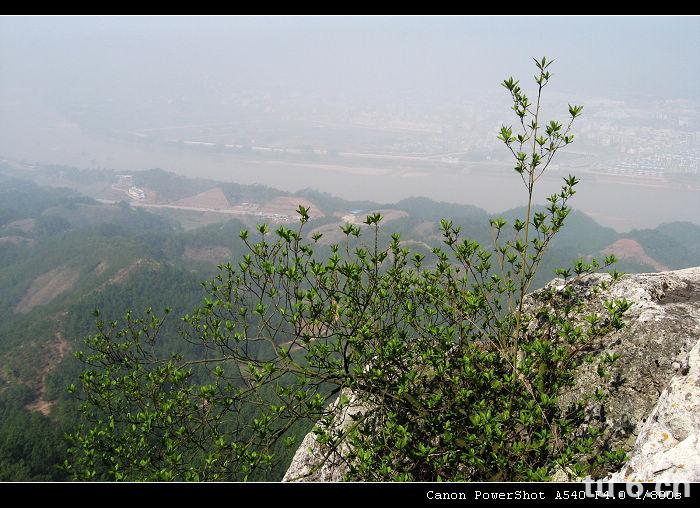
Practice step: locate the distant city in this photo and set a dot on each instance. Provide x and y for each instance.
(652, 140)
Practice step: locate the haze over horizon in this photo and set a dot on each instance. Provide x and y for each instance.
(376, 108)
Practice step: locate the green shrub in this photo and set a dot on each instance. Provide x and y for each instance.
(461, 375)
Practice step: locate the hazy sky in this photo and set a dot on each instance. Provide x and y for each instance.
(596, 55)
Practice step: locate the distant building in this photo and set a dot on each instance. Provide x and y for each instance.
(136, 193)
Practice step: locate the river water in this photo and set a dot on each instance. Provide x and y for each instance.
(614, 204)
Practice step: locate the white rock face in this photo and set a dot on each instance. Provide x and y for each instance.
(314, 462)
(654, 414)
(662, 327)
(668, 447)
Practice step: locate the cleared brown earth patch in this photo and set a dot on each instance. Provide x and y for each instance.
(288, 205)
(124, 273)
(388, 214)
(17, 240)
(100, 269)
(54, 353)
(426, 229)
(630, 250)
(212, 198)
(46, 287)
(331, 233)
(391, 214)
(416, 243)
(24, 225)
(213, 254)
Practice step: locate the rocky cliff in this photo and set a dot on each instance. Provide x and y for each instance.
(653, 412)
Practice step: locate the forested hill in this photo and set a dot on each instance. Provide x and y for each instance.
(75, 240)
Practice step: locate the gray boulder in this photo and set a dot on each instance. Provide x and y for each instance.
(662, 327)
(668, 447)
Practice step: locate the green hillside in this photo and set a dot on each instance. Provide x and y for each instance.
(676, 244)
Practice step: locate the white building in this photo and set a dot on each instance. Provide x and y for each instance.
(136, 193)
